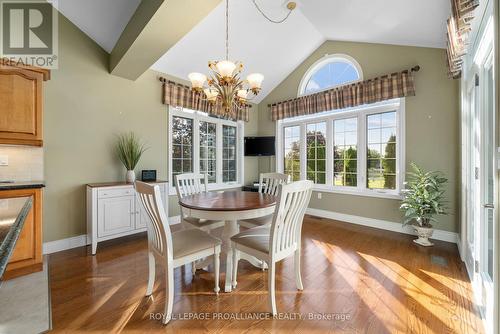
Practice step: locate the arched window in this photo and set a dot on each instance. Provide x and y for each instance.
(330, 71)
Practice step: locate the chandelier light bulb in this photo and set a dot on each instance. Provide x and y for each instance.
(197, 80)
(226, 68)
(255, 80)
(211, 94)
(242, 94)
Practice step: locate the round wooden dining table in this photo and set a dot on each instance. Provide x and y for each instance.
(229, 206)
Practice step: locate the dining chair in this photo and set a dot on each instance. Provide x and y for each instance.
(268, 184)
(190, 184)
(275, 242)
(173, 250)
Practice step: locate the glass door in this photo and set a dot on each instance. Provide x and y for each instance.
(487, 187)
(471, 176)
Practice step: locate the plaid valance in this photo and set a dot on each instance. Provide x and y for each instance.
(458, 27)
(382, 88)
(178, 95)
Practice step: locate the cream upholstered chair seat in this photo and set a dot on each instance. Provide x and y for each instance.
(202, 223)
(187, 242)
(260, 221)
(268, 184)
(255, 238)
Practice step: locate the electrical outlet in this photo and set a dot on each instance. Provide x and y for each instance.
(319, 195)
(4, 160)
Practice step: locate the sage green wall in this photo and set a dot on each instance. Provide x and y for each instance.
(85, 107)
(432, 122)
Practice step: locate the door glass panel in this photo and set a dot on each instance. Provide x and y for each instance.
(229, 153)
(489, 180)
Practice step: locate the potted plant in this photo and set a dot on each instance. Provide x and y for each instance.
(423, 199)
(129, 150)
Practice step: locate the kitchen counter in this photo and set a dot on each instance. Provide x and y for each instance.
(13, 212)
(21, 185)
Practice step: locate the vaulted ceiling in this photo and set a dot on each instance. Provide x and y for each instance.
(274, 50)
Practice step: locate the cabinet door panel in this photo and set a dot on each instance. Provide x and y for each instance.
(21, 99)
(116, 215)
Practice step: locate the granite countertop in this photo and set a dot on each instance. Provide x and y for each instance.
(13, 212)
(115, 184)
(21, 185)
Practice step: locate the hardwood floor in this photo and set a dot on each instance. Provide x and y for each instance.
(360, 280)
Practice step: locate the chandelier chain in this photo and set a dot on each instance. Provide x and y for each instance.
(227, 29)
(267, 17)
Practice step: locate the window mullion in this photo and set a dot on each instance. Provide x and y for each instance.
(196, 145)
(362, 153)
(240, 159)
(329, 152)
(303, 152)
(218, 153)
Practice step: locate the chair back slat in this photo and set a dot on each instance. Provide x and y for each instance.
(291, 206)
(190, 184)
(159, 234)
(269, 182)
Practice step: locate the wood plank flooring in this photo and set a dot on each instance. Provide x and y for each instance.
(356, 280)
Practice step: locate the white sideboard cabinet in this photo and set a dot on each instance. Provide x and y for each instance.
(114, 210)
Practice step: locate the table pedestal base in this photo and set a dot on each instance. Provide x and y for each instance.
(230, 228)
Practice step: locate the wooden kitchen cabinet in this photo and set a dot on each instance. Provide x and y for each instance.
(21, 103)
(27, 255)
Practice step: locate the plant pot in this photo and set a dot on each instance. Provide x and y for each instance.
(424, 233)
(130, 176)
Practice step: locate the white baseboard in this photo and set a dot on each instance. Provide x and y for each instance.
(81, 240)
(380, 224)
(64, 244)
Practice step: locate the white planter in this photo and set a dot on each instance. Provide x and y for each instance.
(130, 176)
(424, 233)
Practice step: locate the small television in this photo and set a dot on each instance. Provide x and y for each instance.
(259, 146)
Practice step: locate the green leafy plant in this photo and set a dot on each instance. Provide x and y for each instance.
(423, 197)
(129, 150)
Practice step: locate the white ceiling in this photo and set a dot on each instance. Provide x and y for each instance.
(274, 50)
(400, 22)
(102, 20)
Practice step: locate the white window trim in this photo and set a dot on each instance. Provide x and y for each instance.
(323, 61)
(360, 112)
(197, 116)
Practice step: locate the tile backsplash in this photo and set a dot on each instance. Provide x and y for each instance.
(25, 163)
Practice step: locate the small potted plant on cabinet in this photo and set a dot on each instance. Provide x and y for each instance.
(423, 199)
(129, 150)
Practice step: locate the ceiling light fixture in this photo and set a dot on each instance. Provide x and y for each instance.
(224, 85)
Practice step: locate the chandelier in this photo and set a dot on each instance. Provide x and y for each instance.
(224, 84)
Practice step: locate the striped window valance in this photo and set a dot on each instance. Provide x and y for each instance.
(179, 95)
(458, 28)
(382, 88)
